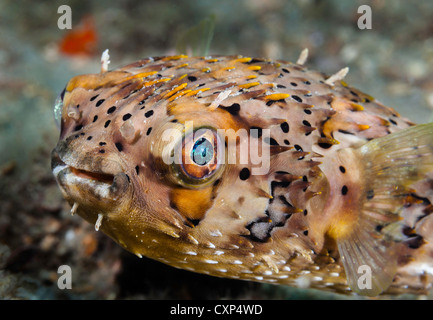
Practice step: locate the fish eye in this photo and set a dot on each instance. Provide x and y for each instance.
(58, 108)
(200, 159)
(202, 152)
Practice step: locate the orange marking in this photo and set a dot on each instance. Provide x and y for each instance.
(195, 92)
(255, 68)
(248, 85)
(180, 56)
(151, 83)
(175, 90)
(277, 96)
(243, 60)
(179, 94)
(140, 75)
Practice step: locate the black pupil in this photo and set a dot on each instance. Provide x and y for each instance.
(202, 152)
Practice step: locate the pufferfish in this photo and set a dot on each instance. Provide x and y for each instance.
(253, 169)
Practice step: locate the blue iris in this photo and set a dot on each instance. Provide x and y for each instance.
(202, 151)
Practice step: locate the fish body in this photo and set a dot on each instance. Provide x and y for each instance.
(250, 169)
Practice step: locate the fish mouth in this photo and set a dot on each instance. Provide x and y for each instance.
(100, 177)
(78, 183)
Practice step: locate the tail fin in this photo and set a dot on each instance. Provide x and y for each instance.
(389, 166)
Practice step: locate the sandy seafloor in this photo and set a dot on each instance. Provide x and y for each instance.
(392, 62)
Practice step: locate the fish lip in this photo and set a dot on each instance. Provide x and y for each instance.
(58, 165)
(103, 185)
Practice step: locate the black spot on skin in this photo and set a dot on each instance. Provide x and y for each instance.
(285, 70)
(294, 84)
(284, 127)
(192, 78)
(392, 121)
(354, 93)
(233, 109)
(344, 190)
(99, 102)
(148, 131)
(342, 169)
(298, 147)
(305, 212)
(102, 143)
(244, 174)
(280, 86)
(102, 151)
(89, 138)
(126, 116)
(107, 123)
(217, 182)
(95, 118)
(173, 205)
(324, 145)
(370, 194)
(345, 132)
(256, 132)
(111, 110)
(296, 98)
(271, 141)
(415, 241)
(119, 146)
(284, 201)
(306, 123)
(148, 114)
(137, 169)
(194, 222)
(305, 232)
(307, 82)
(307, 111)
(94, 97)
(79, 127)
(287, 142)
(278, 184)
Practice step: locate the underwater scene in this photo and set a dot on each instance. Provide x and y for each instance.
(336, 95)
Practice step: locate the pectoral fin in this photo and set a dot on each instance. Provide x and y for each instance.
(389, 166)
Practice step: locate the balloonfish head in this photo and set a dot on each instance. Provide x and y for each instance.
(234, 167)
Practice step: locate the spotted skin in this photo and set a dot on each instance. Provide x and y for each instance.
(275, 227)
